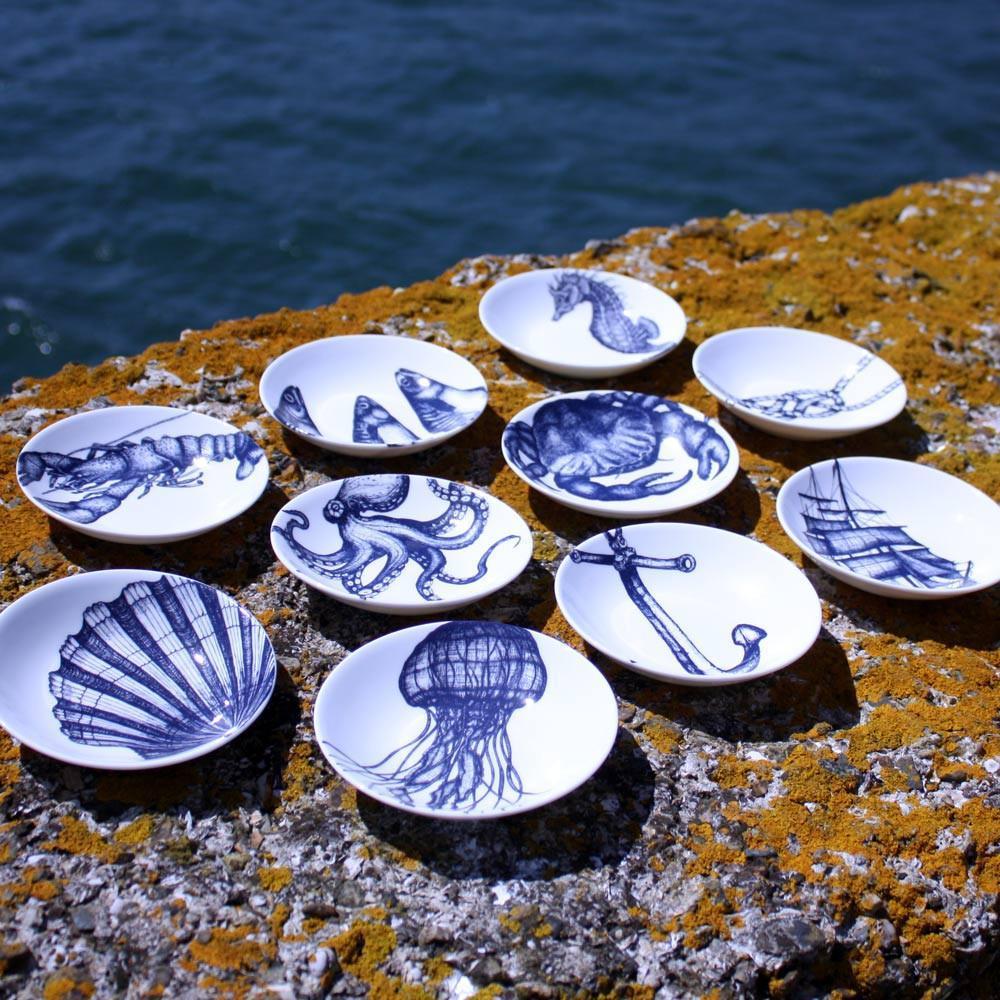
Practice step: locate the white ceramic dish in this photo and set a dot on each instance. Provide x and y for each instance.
(799, 384)
(893, 528)
(373, 395)
(620, 454)
(130, 669)
(688, 604)
(585, 324)
(142, 474)
(401, 545)
(466, 720)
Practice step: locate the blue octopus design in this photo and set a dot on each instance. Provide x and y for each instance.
(611, 433)
(609, 325)
(368, 536)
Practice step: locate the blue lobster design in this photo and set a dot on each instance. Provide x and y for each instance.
(609, 325)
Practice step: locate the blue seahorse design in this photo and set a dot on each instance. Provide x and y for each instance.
(627, 563)
(469, 678)
(609, 325)
(368, 538)
(112, 471)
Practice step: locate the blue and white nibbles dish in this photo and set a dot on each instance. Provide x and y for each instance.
(129, 669)
(688, 604)
(373, 395)
(466, 719)
(401, 545)
(893, 528)
(142, 474)
(585, 324)
(620, 454)
(799, 384)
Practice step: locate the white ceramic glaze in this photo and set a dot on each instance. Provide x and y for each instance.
(620, 454)
(688, 604)
(97, 672)
(893, 528)
(142, 474)
(401, 545)
(373, 395)
(799, 384)
(585, 324)
(466, 720)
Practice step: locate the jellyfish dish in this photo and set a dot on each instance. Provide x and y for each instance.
(466, 720)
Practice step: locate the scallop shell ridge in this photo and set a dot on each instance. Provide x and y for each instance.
(167, 666)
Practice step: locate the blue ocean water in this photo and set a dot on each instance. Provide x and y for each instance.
(165, 166)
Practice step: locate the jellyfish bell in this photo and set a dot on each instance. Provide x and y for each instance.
(485, 662)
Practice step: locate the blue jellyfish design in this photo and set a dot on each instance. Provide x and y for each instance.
(470, 678)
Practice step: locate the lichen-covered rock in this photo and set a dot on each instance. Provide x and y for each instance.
(830, 830)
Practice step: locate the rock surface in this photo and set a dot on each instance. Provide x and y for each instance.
(830, 830)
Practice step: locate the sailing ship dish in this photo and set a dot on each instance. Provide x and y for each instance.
(585, 324)
(799, 384)
(401, 545)
(466, 720)
(131, 669)
(620, 454)
(688, 604)
(142, 474)
(373, 395)
(893, 528)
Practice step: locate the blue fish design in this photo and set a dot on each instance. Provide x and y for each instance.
(374, 424)
(439, 407)
(292, 412)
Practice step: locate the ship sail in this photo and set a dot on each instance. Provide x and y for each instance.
(848, 529)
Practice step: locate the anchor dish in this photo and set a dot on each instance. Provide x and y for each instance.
(401, 545)
(142, 474)
(620, 454)
(893, 528)
(131, 669)
(466, 719)
(585, 324)
(373, 395)
(799, 384)
(688, 604)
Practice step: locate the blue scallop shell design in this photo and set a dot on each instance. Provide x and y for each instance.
(166, 667)
(469, 678)
(608, 324)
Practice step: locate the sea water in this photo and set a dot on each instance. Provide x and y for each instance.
(166, 166)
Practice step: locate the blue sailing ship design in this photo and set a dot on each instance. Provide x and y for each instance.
(165, 667)
(105, 474)
(370, 537)
(576, 440)
(608, 325)
(469, 678)
(438, 406)
(626, 562)
(374, 424)
(292, 411)
(863, 538)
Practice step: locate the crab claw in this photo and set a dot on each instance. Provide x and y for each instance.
(704, 443)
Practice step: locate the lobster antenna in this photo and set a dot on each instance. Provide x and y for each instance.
(138, 430)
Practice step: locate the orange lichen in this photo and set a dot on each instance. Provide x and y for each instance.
(232, 949)
(64, 987)
(436, 971)
(274, 879)
(76, 837)
(136, 832)
(363, 947)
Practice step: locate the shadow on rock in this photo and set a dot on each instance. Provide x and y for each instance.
(817, 688)
(246, 772)
(232, 555)
(594, 826)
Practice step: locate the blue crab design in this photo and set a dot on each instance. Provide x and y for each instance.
(576, 440)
